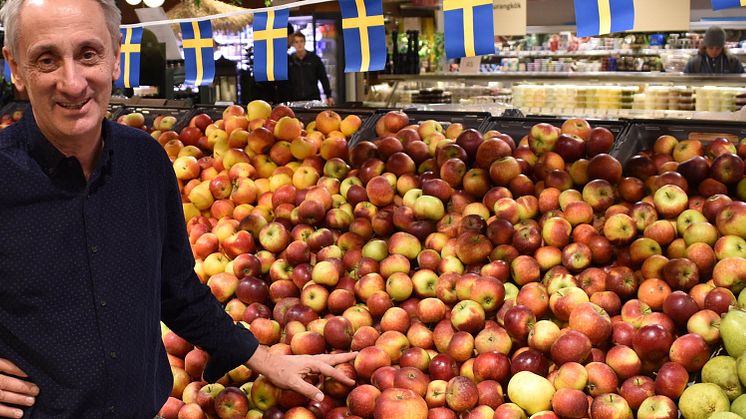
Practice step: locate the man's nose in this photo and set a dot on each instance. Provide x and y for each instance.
(72, 80)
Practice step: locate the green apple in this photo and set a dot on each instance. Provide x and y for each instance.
(532, 392)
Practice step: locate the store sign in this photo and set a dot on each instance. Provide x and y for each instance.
(662, 15)
(510, 17)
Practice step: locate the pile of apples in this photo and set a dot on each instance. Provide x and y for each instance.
(6, 119)
(478, 275)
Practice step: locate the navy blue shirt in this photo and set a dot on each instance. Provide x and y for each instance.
(88, 268)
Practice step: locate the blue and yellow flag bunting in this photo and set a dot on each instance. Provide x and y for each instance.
(129, 58)
(364, 35)
(271, 45)
(7, 73)
(599, 17)
(727, 4)
(198, 55)
(469, 28)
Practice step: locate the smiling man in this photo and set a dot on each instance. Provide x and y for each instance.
(94, 252)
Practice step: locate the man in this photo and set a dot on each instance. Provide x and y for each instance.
(94, 251)
(305, 70)
(712, 57)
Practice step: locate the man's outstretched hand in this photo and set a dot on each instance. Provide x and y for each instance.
(14, 390)
(288, 371)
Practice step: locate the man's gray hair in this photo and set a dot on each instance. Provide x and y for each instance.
(9, 15)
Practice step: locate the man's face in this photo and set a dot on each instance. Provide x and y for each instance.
(299, 43)
(713, 52)
(66, 63)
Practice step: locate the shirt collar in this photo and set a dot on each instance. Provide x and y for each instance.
(48, 157)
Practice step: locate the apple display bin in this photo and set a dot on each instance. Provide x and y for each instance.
(305, 115)
(182, 115)
(517, 127)
(642, 134)
(474, 120)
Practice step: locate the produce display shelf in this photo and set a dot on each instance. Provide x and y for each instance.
(641, 135)
(183, 115)
(518, 127)
(470, 120)
(305, 115)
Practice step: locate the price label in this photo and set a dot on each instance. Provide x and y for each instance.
(470, 65)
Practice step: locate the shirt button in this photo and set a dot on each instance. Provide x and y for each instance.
(113, 355)
(110, 410)
(103, 303)
(94, 249)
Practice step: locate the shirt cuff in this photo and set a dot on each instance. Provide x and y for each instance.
(231, 355)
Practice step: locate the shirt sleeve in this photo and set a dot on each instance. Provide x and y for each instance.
(321, 74)
(187, 306)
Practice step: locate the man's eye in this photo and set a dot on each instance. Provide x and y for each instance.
(89, 55)
(45, 62)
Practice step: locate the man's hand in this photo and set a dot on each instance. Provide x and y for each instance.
(330, 101)
(14, 390)
(287, 371)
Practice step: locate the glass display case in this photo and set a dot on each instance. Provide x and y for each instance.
(608, 95)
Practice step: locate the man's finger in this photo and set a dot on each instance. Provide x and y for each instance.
(11, 368)
(16, 385)
(334, 373)
(307, 389)
(9, 412)
(334, 359)
(8, 397)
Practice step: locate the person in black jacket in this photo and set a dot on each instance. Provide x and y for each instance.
(305, 70)
(713, 57)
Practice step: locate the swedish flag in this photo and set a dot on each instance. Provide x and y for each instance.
(271, 45)
(129, 58)
(469, 28)
(198, 56)
(598, 17)
(364, 35)
(8, 74)
(727, 4)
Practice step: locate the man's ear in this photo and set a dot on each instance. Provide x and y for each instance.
(117, 71)
(18, 81)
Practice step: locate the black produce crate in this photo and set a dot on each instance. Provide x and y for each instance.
(183, 115)
(642, 134)
(470, 120)
(517, 127)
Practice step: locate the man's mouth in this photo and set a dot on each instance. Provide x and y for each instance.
(78, 105)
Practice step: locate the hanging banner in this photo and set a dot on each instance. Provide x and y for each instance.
(510, 17)
(727, 4)
(364, 35)
(129, 58)
(7, 73)
(662, 15)
(198, 55)
(600, 17)
(271, 45)
(469, 28)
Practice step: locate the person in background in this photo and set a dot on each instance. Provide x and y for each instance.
(713, 57)
(305, 70)
(94, 251)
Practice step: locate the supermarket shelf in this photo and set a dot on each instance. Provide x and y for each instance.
(595, 53)
(606, 76)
